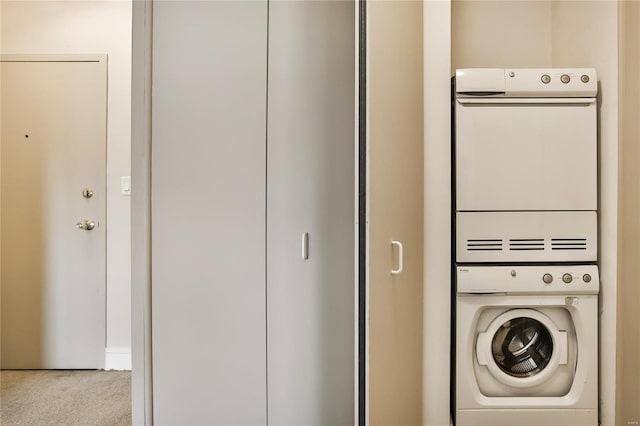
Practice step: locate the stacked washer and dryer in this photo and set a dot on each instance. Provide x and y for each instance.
(526, 247)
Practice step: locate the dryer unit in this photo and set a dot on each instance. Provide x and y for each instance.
(527, 345)
(526, 165)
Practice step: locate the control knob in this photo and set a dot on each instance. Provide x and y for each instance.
(567, 278)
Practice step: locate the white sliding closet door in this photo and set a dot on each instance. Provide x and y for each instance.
(310, 190)
(208, 212)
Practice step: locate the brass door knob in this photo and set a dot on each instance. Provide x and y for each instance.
(86, 225)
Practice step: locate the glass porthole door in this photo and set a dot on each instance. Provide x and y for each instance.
(522, 348)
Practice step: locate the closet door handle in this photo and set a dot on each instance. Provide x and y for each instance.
(305, 246)
(400, 257)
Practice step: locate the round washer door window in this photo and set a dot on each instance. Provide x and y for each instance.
(522, 347)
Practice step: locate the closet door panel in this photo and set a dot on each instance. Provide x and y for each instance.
(310, 189)
(208, 212)
(396, 188)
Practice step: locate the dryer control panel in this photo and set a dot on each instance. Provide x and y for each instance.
(548, 279)
(527, 83)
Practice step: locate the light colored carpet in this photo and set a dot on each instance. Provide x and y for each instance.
(62, 397)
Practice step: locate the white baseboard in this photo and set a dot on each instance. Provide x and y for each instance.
(117, 359)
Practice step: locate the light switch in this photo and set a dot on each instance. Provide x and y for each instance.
(125, 185)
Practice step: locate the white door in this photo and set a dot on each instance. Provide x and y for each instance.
(516, 154)
(53, 118)
(310, 213)
(208, 212)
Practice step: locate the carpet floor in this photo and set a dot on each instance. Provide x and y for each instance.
(63, 397)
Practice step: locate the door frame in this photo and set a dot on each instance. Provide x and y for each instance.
(362, 214)
(141, 361)
(102, 59)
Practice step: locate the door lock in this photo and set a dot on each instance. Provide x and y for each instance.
(86, 225)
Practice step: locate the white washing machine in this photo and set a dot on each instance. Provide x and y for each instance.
(527, 345)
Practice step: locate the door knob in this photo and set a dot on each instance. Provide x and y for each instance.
(86, 225)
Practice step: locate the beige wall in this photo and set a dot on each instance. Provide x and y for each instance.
(500, 33)
(396, 212)
(92, 27)
(437, 207)
(628, 384)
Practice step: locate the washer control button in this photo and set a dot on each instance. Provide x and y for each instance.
(512, 74)
(545, 78)
(513, 273)
(565, 78)
(567, 278)
(586, 278)
(547, 278)
(584, 78)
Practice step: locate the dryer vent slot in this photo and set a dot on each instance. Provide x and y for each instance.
(484, 245)
(526, 244)
(568, 244)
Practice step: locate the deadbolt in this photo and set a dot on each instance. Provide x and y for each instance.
(87, 193)
(86, 225)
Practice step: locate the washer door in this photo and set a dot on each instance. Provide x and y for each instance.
(522, 348)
